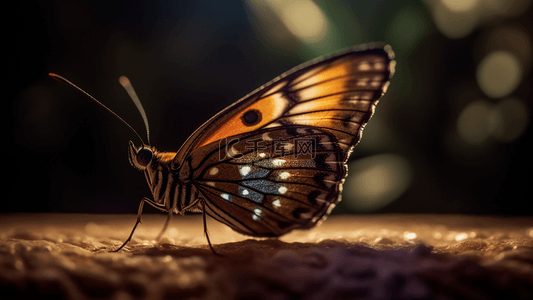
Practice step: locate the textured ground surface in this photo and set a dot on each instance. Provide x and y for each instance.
(56, 256)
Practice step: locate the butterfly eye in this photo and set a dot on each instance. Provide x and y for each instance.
(144, 156)
(251, 117)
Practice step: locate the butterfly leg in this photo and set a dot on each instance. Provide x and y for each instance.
(205, 229)
(160, 235)
(170, 211)
(139, 213)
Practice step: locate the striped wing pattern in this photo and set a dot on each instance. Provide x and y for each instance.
(338, 97)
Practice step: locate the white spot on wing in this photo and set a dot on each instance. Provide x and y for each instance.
(213, 171)
(244, 170)
(282, 190)
(257, 214)
(284, 175)
(367, 96)
(225, 196)
(276, 203)
(364, 66)
(266, 137)
(362, 82)
(278, 162)
(379, 66)
(232, 152)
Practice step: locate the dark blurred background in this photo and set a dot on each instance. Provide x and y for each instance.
(452, 134)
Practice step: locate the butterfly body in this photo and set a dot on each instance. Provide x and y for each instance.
(275, 160)
(169, 188)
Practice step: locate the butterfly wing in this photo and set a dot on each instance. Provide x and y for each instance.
(271, 181)
(326, 101)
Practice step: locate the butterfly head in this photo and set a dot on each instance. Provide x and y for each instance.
(140, 157)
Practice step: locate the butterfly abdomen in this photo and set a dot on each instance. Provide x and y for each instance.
(167, 187)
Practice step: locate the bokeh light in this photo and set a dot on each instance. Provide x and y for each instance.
(303, 18)
(408, 235)
(511, 38)
(458, 18)
(472, 124)
(461, 236)
(508, 119)
(481, 120)
(455, 18)
(376, 181)
(460, 5)
(498, 74)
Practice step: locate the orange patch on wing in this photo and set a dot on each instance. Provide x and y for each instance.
(338, 70)
(324, 88)
(312, 118)
(328, 103)
(320, 118)
(271, 108)
(329, 124)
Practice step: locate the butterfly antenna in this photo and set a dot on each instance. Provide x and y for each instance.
(125, 82)
(65, 81)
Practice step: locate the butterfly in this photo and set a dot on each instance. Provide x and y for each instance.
(275, 160)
